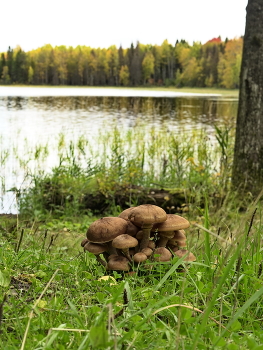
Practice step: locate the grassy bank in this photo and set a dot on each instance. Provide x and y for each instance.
(52, 296)
(51, 293)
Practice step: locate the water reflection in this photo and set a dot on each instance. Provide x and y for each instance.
(185, 110)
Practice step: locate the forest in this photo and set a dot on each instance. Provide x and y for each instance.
(213, 64)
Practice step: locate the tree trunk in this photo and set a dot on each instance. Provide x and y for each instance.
(248, 156)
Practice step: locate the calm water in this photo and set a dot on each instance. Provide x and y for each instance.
(36, 116)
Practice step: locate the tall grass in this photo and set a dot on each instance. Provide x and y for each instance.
(62, 174)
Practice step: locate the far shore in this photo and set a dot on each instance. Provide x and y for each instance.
(190, 90)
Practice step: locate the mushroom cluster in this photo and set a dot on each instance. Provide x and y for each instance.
(138, 234)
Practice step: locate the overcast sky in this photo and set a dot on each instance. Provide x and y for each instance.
(102, 23)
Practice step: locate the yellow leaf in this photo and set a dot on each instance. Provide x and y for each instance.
(191, 160)
(107, 278)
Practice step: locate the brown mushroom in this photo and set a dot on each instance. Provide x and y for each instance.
(188, 256)
(124, 242)
(181, 244)
(105, 230)
(147, 251)
(96, 249)
(84, 241)
(166, 229)
(125, 213)
(131, 229)
(162, 254)
(145, 216)
(139, 235)
(139, 257)
(179, 239)
(118, 263)
(151, 244)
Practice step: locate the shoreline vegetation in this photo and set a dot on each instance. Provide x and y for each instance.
(138, 165)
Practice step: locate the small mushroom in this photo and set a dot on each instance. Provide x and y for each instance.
(118, 263)
(181, 244)
(178, 240)
(112, 256)
(139, 257)
(124, 242)
(96, 249)
(84, 241)
(147, 251)
(162, 254)
(188, 256)
(166, 229)
(145, 216)
(151, 244)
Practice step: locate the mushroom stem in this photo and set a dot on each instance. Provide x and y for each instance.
(164, 238)
(111, 249)
(162, 241)
(127, 254)
(146, 235)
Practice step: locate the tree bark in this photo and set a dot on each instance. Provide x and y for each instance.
(248, 156)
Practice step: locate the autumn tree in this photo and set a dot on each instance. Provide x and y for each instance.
(5, 78)
(124, 76)
(147, 66)
(248, 155)
(229, 64)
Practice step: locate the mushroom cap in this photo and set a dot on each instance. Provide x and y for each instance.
(139, 257)
(84, 241)
(188, 255)
(112, 256)
(151, 244)
(124, 241)
(106, 229)
(139, 235)
(181, 244)
(172, 223)
(125, 213)
(118, 263)
(147, 251)
(131, 229)
(179, 236)
(147, 214)
(166, 234)
(163, 254)
(174, 249)
(95, 248)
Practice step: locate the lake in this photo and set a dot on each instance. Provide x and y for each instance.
(33, 116)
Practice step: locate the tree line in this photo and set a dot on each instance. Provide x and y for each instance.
(213, 64)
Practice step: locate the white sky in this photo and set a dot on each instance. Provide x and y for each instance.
(102, 23)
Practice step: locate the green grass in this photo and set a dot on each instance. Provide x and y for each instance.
(52, 297)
